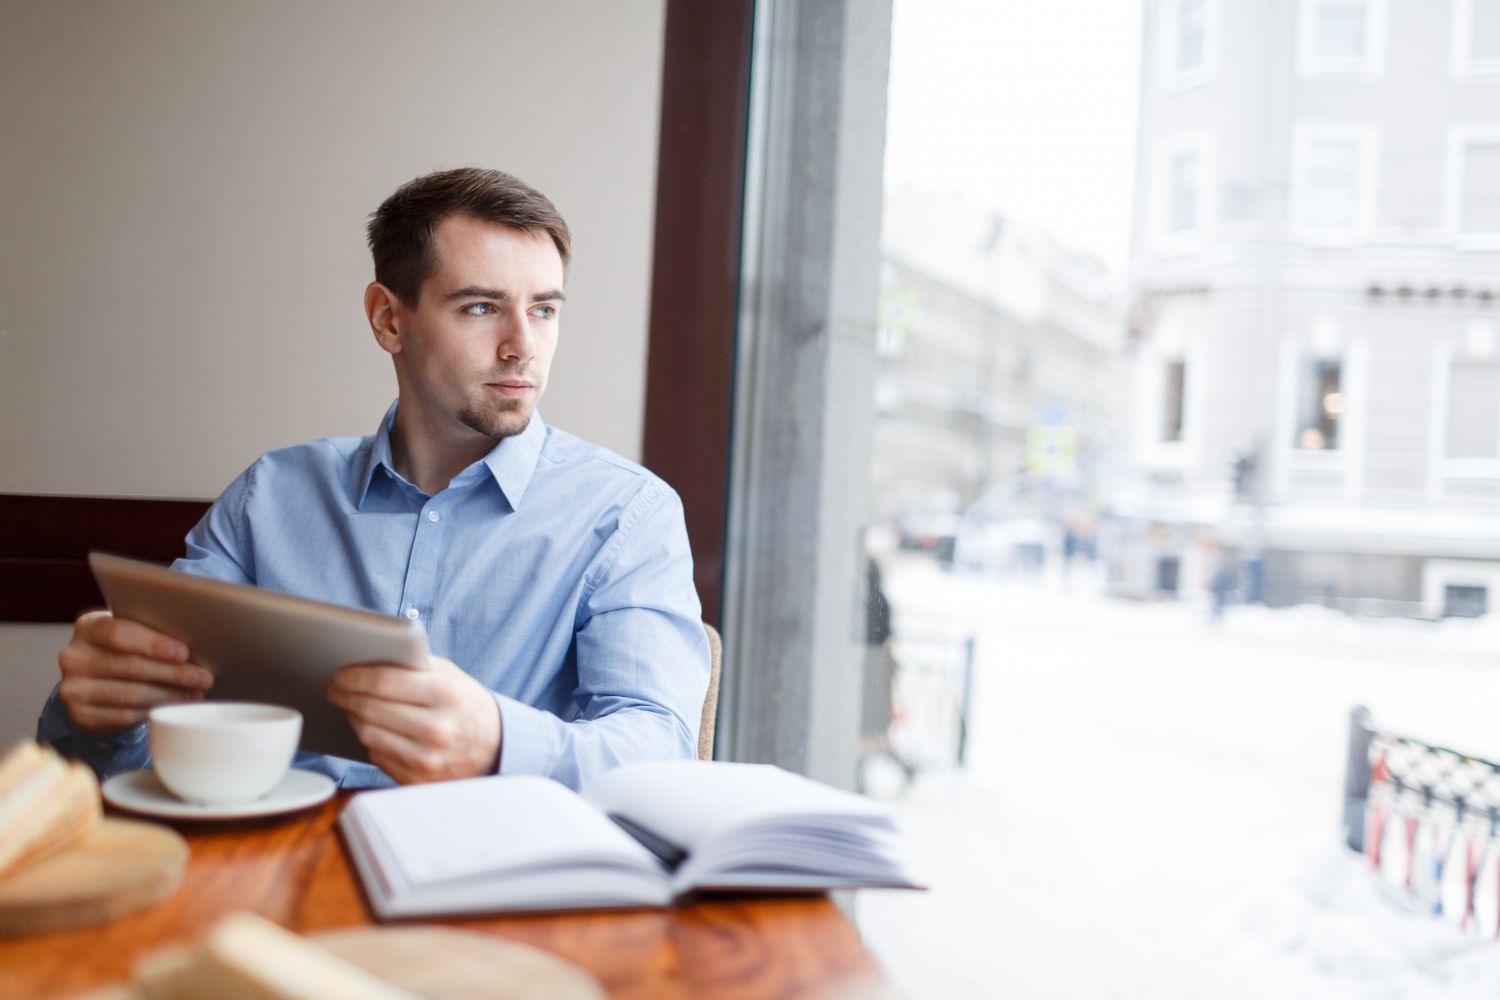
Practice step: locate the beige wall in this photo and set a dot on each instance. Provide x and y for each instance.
(183, 189)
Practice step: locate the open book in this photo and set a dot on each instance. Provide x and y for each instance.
(640, 835)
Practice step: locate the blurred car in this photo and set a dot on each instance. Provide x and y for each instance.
(930, 531)
(1017, 546)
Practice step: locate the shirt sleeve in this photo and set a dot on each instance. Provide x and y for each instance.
(214, 549)
(642, 658)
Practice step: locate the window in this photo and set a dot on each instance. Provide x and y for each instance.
(1183, 172)
(1188, 54)
(1332, 183)
(1473, 424)
(1474, 183)
(1476, 37)
(1320, 405)
(1188, 43)
(1465, 601)
(1341, 37)
(1173, 399)
(1182, 199)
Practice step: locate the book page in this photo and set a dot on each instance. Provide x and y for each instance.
(689, 802)
(453, 830)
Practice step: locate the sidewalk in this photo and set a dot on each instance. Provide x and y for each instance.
(1152, 803)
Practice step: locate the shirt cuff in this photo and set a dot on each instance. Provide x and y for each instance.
(529, 738)
(107, 755)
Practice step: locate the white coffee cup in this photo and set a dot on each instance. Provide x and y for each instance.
(223, 752)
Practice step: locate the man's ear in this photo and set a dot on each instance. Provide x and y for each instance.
(381, 306)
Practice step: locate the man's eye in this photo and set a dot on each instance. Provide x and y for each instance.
(479, 308)
(545, 312)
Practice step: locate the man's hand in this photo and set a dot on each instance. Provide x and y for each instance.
(115, 671)
(421, 725)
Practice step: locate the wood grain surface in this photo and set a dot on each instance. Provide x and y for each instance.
(294, 870)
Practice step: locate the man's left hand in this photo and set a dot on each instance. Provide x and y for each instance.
(421, 725)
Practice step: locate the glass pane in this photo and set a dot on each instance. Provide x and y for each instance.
(1332, 183)
(1183, 178)
(1114, 683)
(1481, 192)
(1191, 29)
(1341, 30)
(1172, 427)
(1485, 27)
(1474, 411)
(1320, 407)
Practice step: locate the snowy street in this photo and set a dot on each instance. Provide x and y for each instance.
(1151, 805)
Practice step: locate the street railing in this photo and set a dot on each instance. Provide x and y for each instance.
(1428, 819)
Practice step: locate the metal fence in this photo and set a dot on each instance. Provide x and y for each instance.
(1428, 819)
(932, 688)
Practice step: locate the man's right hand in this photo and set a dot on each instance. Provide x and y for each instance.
(115, 671)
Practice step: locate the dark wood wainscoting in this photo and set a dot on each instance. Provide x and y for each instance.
(45, 542)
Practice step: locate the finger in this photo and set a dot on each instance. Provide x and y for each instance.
(422, 725)
(94, 661)
(389, 683)
(100, 628)
(399, 757)
(105, 693)
(106, 721)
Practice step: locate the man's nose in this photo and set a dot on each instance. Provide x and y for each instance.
(519, 341)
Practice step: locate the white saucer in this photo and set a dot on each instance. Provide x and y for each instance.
(142, 792)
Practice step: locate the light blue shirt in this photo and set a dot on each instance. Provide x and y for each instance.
(555, 572)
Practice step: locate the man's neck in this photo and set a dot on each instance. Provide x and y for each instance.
(429, 459)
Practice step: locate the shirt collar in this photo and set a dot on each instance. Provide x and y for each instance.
(511, 462)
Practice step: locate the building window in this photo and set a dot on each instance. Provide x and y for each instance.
(1465, 601)
(1320, 405)
(1174, 399)
(1474, 183)
(1476, 37)
(1341, 37)
(1473, 419)
(1332, 178)
(1183, 168)
(1188, 42)
(1182, 196)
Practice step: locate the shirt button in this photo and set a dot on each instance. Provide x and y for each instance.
(413, 614)
(433, 516)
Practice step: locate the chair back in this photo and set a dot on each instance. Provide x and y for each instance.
(711, 698)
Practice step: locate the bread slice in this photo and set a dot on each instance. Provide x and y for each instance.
(46, 804)
(247, 957)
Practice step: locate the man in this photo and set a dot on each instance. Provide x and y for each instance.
(553, 577)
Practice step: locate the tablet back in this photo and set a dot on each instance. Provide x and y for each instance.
(262, 645)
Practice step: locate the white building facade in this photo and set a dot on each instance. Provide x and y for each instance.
(1316, 329)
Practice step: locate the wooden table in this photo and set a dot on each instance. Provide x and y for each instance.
(295, 871)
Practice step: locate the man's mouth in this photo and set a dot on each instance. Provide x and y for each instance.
(511, 388)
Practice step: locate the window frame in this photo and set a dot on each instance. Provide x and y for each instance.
(1325, 339)
(1366, 138)
(1460, 138)
(1371, 63)
(1442, 467)
(1169, 77)
(1461, 60)
(1167, 240)
(1439, 574)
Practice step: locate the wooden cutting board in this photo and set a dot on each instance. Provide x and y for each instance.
(118, 868)
(437, 963)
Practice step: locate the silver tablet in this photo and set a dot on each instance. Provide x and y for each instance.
(262, 645)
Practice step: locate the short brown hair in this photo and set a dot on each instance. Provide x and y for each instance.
(400, 230)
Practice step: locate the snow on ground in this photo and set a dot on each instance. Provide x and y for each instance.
(1151, 805)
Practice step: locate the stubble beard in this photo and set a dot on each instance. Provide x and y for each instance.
(497, 419)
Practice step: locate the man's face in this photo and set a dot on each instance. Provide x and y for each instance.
(476, 348)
